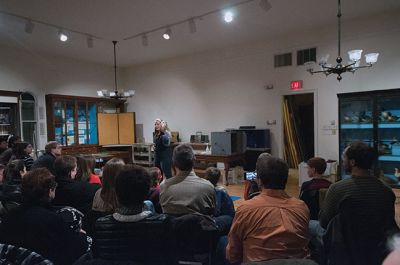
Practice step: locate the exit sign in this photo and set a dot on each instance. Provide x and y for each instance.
(296, 85)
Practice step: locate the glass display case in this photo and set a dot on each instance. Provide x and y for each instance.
(374, 118)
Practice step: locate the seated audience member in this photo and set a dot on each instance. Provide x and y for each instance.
(154, 192)
(361, 208)
(7, 155)
(2, 179)
(224, 209)
(105, 199)
(85, 172)
(52, 151)
(309, 189)
(132, 232)
(23, 150)
(36, 227)
(14, 172)
(272, 225)
(186, 193)
(77, 194)
(3, 145)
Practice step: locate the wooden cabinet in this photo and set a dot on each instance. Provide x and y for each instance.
(72, 121)
(116, 128)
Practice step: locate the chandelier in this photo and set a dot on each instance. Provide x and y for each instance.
(339, 69)
(115, 94)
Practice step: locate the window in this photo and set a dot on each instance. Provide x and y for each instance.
(306, 55)
(283, 60)
(28, 118)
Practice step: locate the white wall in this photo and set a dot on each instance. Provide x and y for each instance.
(21, 70)
(221, 89)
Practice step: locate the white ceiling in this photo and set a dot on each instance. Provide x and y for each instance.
(116, 20)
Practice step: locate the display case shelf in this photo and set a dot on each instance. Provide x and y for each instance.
(389, 125)
(357, 126)
(389, 158)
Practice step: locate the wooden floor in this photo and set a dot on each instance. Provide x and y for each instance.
(293, 189)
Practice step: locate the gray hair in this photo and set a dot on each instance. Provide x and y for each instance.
(183, 157)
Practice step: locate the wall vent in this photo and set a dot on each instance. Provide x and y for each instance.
(283, 59)
(306, 55)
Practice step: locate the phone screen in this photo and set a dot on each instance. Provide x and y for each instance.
(251, 176)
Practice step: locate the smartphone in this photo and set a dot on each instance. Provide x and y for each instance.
(251, 176)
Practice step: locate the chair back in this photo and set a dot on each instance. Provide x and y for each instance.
(356, 238)
(195, 238)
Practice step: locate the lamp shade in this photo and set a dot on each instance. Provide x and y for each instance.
(355, 55)
(371, 58)
(323, 59)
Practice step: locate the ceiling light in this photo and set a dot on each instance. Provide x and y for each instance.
(192, 26)
(167, 34)
(228, 16)
(89, 42)
(145, 41)
(339, 68)
(63, 37)
(115, 94)
(265, 4)
(29, 26)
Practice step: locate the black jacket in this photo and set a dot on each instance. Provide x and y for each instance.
(147, 241)
(74, 193)
(46, 161)
(38, 228)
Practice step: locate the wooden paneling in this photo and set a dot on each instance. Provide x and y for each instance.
(108, 128)
(126, 125)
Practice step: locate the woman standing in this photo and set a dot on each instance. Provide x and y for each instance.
(162, 148)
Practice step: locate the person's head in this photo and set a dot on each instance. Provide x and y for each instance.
(164, 126)
(132, 185)
(316, 166)
(38, 186)
(3, 143)
(86, 166)
(183, 157)
(12, 139)
(65, 166)
(359, 155)
(155, 176)
(22, 149)
(272, 172)
(110, 172)
(53, 148)
(213, 174)
(15, 171)
(157, 125)
(2, 167)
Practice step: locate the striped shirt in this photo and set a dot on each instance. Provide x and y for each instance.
(368, 194)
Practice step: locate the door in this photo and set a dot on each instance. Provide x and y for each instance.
(298, 120)
(108, 128)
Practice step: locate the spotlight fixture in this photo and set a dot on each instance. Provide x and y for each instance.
(89, 42)
(339, 68)
(266, 5)
(228, 16)
(192, 26)
(29, 26)
(63, 37)
(116, 94)
(145, 41)
(167, 34)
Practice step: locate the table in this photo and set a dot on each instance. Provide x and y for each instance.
(228, 160)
